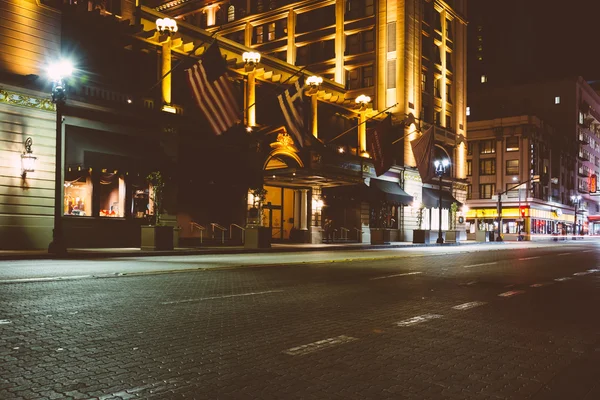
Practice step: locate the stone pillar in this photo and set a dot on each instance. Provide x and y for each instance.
(250, 99)
(314, 107)
(166, 67)
(339, 42)
(362, 134)
(303, 209)
(297, 205)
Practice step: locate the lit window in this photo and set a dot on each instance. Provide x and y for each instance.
(230, 13)
(468, 111)
(483, 79)
(557, 100)
(78, 194)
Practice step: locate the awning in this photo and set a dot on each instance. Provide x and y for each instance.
(593, 218)
(388, 191)
(431, 198)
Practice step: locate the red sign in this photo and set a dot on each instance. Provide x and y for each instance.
(593, 186)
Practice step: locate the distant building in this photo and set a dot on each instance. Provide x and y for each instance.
(570, 107)
(504, 156)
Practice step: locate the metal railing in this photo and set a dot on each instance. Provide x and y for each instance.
(358, 234)
(221, 228)
(344, 233)
(241, 228)
(199, 227)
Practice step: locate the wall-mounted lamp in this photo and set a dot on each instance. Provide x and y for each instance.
(166, 25)
(27, 158)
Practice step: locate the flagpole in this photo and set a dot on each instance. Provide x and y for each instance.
(368, 119)
(279, 85)
(408, 134)
(188, 55)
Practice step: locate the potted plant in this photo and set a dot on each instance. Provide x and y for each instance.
(156, 235)
(420, 235)
(380, 234)
(453, 235)
(257, 235)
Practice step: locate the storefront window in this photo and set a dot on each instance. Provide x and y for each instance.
(140, 207)
(78, 195)
(112, 195)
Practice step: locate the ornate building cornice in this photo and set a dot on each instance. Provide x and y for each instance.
(19, 99)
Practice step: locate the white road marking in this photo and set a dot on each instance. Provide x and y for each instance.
(586, 251)
(480, 265)
(220, 297)
(528, 258)
(582, 273)
(563, 279)
(46, 279)
(319, 345)
(393, 276)
(5, 321)
(511, 293)
(563, 254)
(418, 319)
(594, 270)
(466, 306)
(541, 284)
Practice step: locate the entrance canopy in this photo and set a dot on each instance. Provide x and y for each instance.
(431, 198)
(388, 191)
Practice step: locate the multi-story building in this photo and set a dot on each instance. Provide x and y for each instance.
(130, 111)
(505, 155)
(570, 107)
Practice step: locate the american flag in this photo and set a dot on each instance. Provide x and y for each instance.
(292, 105)
(213, 91)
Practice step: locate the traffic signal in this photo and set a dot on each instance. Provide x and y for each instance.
(522, 212)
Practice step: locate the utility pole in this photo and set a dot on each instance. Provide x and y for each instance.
(534, 179)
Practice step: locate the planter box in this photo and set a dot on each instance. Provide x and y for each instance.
(258, 237)
(421, 236)
(157, 237)
(380, 236)
(455, 236)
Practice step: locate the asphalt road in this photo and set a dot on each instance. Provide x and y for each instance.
(465, 322)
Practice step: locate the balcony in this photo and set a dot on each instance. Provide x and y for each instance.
(583, 156)
(583, 172)
(582, 139)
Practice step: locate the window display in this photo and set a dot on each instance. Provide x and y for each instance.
(112, 195)
(78, 196)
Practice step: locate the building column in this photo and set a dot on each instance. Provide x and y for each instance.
(339, 42)
(314, 106)
(291, 38)
(303, 209)
(166, 68)
(297, 205)
(362, 134)
(250, 99)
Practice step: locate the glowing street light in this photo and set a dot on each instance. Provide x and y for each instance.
(166, 25)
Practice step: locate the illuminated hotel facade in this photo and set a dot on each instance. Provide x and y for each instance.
(409, 57)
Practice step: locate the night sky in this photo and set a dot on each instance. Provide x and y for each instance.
(533, 40)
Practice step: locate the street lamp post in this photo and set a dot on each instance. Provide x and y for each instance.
(57, 73)
(576, 200)
(440, 169)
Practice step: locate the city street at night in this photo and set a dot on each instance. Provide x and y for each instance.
(478, 321)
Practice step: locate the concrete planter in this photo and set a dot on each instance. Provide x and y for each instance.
(455, 236)
(380, 236)
(421, 236)
(157, 237)
(258, 237)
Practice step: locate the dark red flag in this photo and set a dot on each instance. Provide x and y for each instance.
(379, 145)
(422, 148)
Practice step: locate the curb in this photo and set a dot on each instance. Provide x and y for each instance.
(80, 255)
